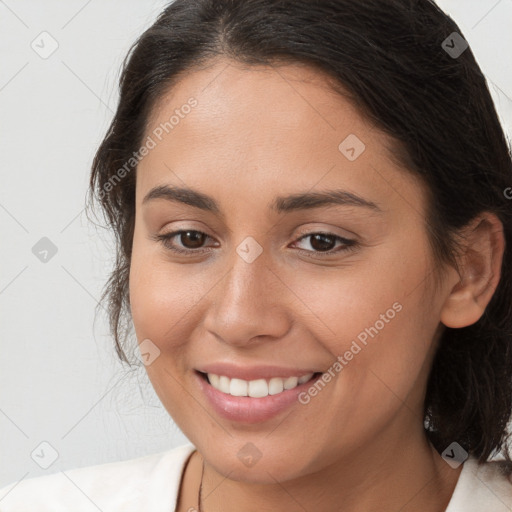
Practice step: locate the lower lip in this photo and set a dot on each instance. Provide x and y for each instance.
(245, 409)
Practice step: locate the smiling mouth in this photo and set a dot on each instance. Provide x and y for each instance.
(258, 388)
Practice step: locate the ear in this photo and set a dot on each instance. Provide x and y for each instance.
(480, 271)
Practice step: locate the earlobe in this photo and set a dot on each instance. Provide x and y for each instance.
(480, 271)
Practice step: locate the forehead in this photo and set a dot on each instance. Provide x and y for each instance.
(263, 128)
(293, 99)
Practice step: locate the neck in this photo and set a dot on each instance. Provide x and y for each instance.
(405, 474)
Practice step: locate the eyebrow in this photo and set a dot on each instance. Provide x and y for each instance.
(281, 204)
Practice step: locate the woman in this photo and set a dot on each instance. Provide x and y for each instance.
(314, 234)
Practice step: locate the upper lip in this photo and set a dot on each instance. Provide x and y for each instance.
(253, 372)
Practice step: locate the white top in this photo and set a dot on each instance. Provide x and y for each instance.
(151, 484)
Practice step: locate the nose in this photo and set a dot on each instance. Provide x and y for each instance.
(248, 304)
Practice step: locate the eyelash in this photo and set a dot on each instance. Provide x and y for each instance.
(349, 245)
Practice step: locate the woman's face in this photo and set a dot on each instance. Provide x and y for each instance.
(269, 158)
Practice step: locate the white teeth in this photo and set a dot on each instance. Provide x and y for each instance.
(214, 380)
(258, 388)
(305, 378)
(275, 386)
(291, 382)
(224, 384)
(255, 388)
(238, 387)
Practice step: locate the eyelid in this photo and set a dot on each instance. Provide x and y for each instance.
(164, 238)
(347, 244)
(329, 230)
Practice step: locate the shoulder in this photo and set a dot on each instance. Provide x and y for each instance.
(483, 487)
(149, 483)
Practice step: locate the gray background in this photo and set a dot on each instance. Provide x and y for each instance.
(60, 380)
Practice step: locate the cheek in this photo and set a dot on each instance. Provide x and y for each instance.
(154, 294)
(377, 322)
(165, 297)
(161, 299)
(375, 317)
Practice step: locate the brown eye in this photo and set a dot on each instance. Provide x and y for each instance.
(192, 239)
(321, 242)
(189, 241)
(325, 244)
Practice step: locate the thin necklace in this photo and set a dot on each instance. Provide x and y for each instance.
(199, 509)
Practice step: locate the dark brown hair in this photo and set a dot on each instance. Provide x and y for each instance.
(391, 57)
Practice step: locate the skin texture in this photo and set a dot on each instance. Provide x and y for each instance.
(359, 445)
